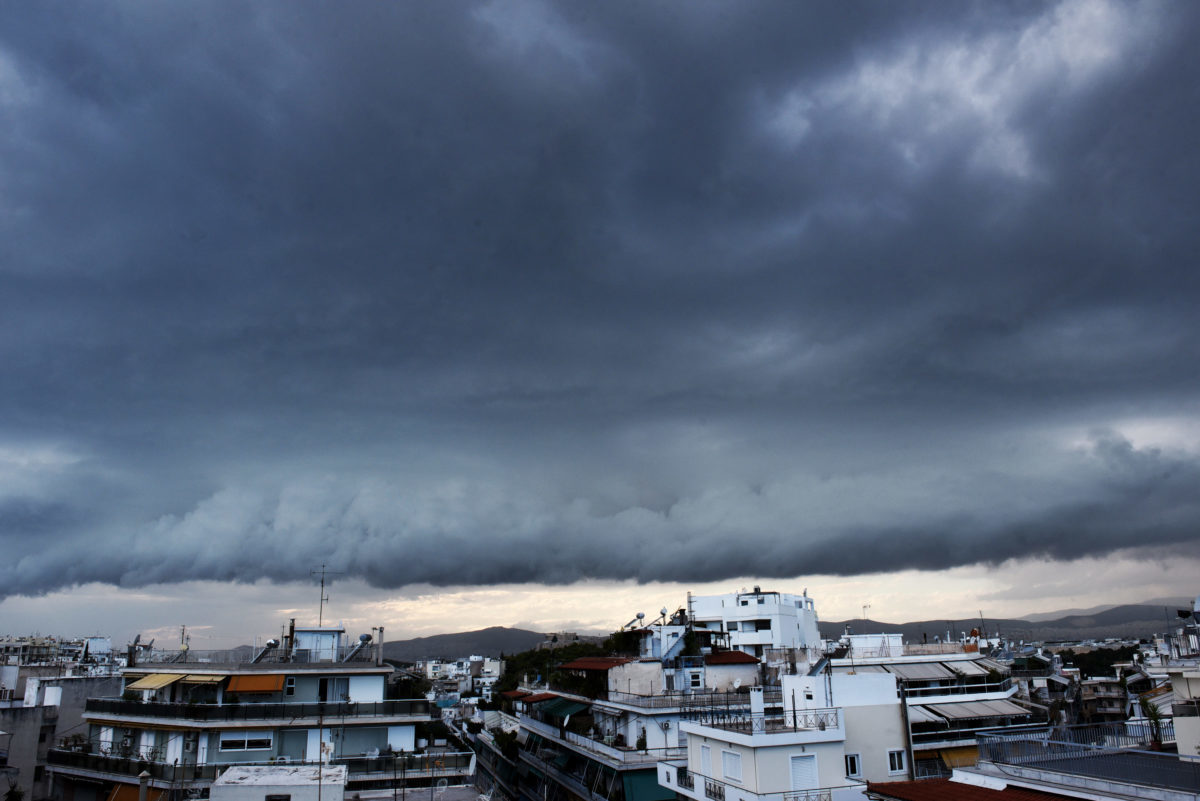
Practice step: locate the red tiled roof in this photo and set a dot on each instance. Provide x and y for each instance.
(595, 663)
(533, 699)
(514, 693)
(730, 658)
(946, 790)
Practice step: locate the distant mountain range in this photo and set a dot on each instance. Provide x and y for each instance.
(1128, 620)
(483, 642)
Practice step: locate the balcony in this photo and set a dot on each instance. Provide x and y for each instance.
(257, 712)
(600, 748)
(684, 779)
(745, 722)
(714, 790)
(359, 768)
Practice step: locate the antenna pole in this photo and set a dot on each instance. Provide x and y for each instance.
(324, 598)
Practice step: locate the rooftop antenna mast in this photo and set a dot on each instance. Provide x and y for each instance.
(324, 598)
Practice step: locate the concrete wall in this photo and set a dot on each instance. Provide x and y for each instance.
(767, 769)
(729, 677)
(640, 678)
(32, 730)
(872, 731)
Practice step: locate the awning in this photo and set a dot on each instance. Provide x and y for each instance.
(642, 785)
(961, 757)
(154, 681)
(562, 707)
(129, 792)
(922, 671)
(265, 683)
(978, 709)
(918, 714)
(967, 668)
(201, 678)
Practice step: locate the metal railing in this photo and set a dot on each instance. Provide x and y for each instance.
(407, 765)
(957, 689)
(1090, 751)
(714, 790)
(742, 720)
(236, 656)
(256, 711)
(1186, 709)
(622, 754)
(684, 779)
(808, 795)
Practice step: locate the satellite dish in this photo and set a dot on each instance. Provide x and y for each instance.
(442, 784)
(641, 615)
(663, 611)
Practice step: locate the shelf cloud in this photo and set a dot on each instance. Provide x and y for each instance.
(463, 294)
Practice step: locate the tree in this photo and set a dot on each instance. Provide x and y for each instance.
(1151, 712)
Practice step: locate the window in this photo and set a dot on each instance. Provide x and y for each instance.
(695, 680)
(289, 687)
(895, 761)
(733, 626)
(279, 797)
(745, 603)
(762, 600)
(706, 760)
(246, 741)
(853, 768)
(731, 765)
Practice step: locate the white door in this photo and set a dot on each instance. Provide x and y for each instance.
(804, 772)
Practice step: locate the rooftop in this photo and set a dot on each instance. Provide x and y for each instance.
(948, 790)
(277, 775)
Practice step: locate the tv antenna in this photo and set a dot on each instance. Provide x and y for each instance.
(324, 598)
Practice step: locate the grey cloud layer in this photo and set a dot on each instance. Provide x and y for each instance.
(483, 293)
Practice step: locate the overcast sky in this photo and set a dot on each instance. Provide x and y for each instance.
(524, 312)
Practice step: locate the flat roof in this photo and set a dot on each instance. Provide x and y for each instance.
(281, 775)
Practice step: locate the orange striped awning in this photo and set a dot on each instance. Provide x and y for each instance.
(129, 792)
(264, 683)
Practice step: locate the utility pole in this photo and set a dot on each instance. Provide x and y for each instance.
(324, 598)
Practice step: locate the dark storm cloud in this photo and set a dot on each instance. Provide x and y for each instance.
(485, 293)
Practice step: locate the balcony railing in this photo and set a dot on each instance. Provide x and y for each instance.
(714, 790)
(351, 653)
(402, 766)
(808, 795)
(249, 711)
(1186, 709)
(742, 720)
(684, 779)
(957, 689)
(1063, 751)
(600, 747)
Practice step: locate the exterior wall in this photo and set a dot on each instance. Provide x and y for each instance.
(872, 731)
(26, 724)
(1187, 735)
(639, 678)
(730, 677)
(766, 769)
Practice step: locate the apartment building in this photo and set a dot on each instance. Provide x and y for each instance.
(312, 701)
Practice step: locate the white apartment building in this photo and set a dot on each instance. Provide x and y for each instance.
(757, 620)
(791, 743)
